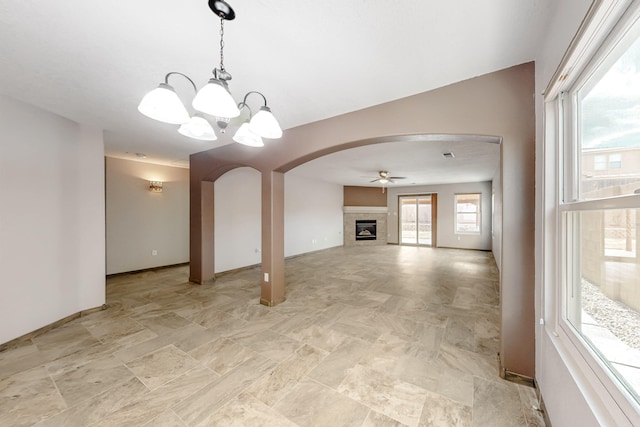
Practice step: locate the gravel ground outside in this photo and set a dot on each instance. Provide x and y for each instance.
(621, 320)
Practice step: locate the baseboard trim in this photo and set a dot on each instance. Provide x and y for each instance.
(249, 267)
(513, 376)
(271, 303)
(541, 406)
(144, 270)
(201, 282)
(518, 379)
(16, 342)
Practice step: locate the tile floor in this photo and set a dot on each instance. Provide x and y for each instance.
(375, 336)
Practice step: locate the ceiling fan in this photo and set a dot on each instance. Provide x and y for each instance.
(386, 178)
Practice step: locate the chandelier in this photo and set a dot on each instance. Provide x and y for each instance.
(214, 99)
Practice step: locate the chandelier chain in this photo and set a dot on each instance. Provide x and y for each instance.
(221, 44)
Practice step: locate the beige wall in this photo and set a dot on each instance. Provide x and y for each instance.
(497, 104)
(139, 222)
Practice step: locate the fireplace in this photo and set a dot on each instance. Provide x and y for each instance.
(366, 229)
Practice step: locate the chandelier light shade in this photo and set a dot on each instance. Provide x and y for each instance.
(163, 104)
(213, 99)
(198, 128)
(245, 136)
(265, 124)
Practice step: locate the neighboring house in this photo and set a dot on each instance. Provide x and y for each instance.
(610, 171)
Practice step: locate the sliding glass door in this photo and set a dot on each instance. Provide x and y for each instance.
(417, 219)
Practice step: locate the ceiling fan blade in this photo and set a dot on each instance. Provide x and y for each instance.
(377, 179)
(397, 177)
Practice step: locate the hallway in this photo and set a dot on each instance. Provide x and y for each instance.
(367, 336)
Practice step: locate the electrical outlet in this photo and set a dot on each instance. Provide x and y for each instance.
(266, 277)
(154, 252)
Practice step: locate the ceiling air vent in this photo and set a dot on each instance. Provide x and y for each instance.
(448, 155)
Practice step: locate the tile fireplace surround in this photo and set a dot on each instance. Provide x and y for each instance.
(353, 213)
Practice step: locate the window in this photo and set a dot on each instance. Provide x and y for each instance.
(600, 163)
(598, 208)
(603, 162)
(615, 161)
(467, 213)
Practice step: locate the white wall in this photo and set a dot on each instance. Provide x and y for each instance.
(562, 389)
(446, 236)
(237, 217)
(51, 218)
(139, 221)
(312, 215)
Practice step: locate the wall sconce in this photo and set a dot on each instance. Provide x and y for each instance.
(155, 186)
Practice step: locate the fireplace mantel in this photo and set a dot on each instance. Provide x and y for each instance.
(365, 209)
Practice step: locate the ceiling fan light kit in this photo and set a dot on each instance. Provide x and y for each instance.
(215, 99)
(385, 178)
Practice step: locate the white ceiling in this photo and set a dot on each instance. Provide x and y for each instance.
(420, 161)
(92, 61)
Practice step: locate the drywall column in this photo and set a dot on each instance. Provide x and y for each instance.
(272, 287)
(517, 289)
(202, 245)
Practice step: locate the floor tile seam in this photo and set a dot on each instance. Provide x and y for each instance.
(371, 408)
(523, 404)
(277, 361)
(59, 395)
(308, 370)
(40, 362)
(272, 406)
(168, 381)
(497, 381)
(226, 337)
(174, 413)
(307, 378)
(475, 376)
(105, 341)
(183, 399)
(86, 399)
(228, 399)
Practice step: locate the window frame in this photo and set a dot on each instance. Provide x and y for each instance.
(478, 214)
(617, 163)
(606, 24)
